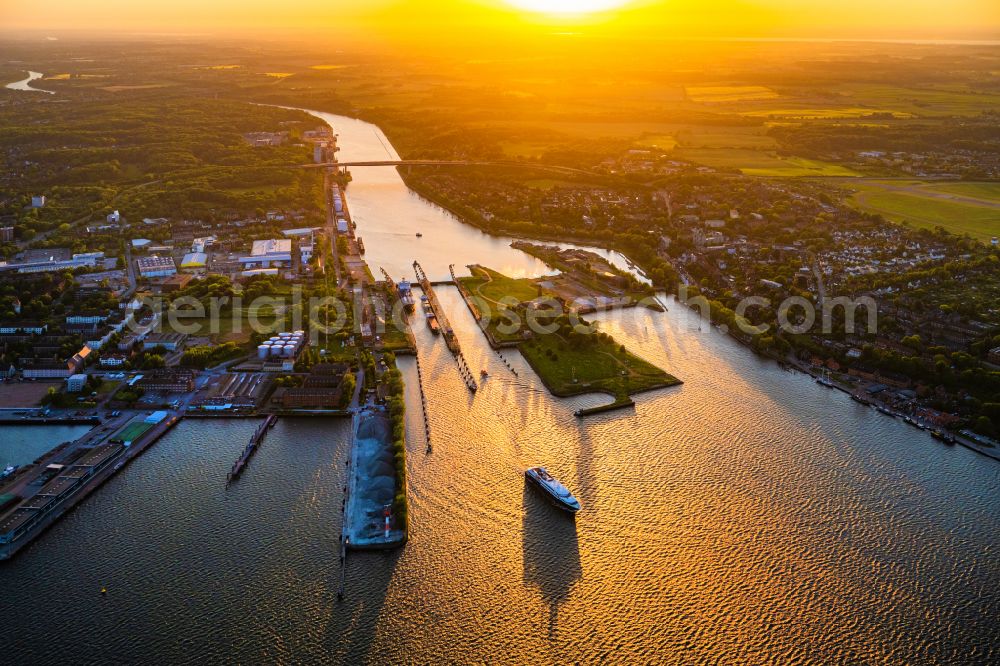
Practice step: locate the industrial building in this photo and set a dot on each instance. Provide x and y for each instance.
(194, 261)
(54, 259)
(156, 266)
(173, 381)
(168, 341)
(271, 253)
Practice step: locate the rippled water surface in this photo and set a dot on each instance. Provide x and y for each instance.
(747, 516)
(21, 444)
(389, 215)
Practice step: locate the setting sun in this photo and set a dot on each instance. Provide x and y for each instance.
(567, 6)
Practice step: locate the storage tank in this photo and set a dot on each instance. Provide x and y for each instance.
(263, 351)
(289, 351)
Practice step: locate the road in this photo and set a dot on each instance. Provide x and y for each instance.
(129, 271)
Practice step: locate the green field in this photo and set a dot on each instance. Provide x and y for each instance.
(807, 112)
(227, 328)
(761, 163)
(132, 431)
(568, 363)
(603, 366)
(498, 286)
(961, 208)
(988, 192)
(489, 288)
(713, 94)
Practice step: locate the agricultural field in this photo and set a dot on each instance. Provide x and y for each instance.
(961, 208)
(733, 136)
(528, 149)
(929, 101)
(812, 112)
(661, 141)
(714, 94)
(762, 163)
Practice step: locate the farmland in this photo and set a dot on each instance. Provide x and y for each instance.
(761, 163)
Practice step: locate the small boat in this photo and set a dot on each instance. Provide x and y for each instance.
(911, 421)
(8, 471)
(885, 411)
(937, 434)
(555, 491)
(858, 398)
(823, 381)
(483, 373)
(419, 235)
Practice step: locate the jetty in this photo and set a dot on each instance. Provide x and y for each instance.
(251, 448)
(43, 493)
(449, 333)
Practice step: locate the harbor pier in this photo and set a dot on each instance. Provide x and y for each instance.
(251, 448)
(48, 491)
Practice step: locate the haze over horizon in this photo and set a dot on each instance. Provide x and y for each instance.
(414, 21)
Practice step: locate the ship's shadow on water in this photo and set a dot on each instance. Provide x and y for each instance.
(352, 627)
(551, 553)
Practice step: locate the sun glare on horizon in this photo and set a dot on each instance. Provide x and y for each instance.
(566, 6)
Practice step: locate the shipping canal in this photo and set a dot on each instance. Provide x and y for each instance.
(748, 515)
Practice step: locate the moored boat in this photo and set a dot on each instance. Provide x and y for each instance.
(405, 294)
(885, 411)
(555, 491)
(947, 438)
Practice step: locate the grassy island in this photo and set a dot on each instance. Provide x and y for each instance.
(569, 354)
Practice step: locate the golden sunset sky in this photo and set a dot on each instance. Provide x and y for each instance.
(671, 19)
